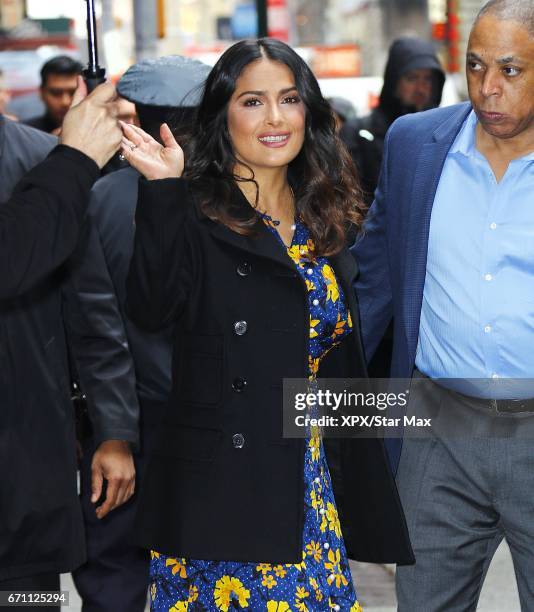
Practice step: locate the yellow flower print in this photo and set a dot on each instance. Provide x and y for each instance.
(349, 323)
(301, 606)
(356, 608)
(280, 571)
(316, 500)
(313, 549)
(332, 289)
(294, 253)
(193, 593)
(314, 584)
(154, 554)
(302, 593)
(313, 364)
(324, 524)
(264, 568)
(313, 323)
(269, 581)
(179, 606)
(333, 519)
(310, 285)
(335, 569)
(278, 606)
(315, 448)
(177, 566)
(153, 590)
(227, 589)
(339, 329)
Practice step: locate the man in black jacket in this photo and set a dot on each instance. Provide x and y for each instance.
(413, 81)
(118, 380)
(41, 532)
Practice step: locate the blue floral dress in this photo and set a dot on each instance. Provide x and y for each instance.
(322, 581)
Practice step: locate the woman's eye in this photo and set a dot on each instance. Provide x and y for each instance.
(291, 100)
(252, 102)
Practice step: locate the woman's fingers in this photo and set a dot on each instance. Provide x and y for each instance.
(146, 137)
(131, 134)
(167, 137)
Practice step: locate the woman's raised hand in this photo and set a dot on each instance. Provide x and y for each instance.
(147, 156)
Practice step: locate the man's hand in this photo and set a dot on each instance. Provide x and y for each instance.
(91, 125)
(112, 461)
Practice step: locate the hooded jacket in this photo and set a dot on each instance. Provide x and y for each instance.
(364, 137)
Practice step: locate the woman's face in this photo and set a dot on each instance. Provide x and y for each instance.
(266, 117)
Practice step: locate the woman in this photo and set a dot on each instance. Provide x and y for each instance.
(247, 259)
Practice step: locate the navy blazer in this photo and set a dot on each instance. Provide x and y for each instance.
(392, 252)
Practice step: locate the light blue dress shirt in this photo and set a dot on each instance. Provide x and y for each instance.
(477, 317)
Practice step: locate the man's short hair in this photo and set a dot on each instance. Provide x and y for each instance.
(62, 65)
(521, 11)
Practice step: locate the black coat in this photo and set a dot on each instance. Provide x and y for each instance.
(41, 527)
(202, 497)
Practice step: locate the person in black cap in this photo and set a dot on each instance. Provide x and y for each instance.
(413, 81)
(123, 385)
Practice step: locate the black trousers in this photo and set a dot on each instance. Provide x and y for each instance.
(43, 582)
(115, 576)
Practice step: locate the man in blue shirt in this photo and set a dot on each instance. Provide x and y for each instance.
(449, 253)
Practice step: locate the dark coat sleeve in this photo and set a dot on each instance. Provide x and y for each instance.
(373, 285)
(161, 271)
(39, 224)
(98, 341)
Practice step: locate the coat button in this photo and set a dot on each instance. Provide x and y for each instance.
(240, 327)
(238, 440)
(244, 268)
(239, 384)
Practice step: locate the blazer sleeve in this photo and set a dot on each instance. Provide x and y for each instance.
(40, 222)
(99, 343)
(161, 274)
(373, 285)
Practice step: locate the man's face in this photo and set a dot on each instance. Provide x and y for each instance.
(415, 88)
(500, 76)
(57, 94)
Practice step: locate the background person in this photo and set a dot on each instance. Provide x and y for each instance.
(59, 80)
(40, 520)
(123, 381)
(246, 258)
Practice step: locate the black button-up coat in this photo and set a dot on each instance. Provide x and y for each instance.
(209, 493)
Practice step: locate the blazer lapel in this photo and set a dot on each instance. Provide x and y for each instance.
(428, 170)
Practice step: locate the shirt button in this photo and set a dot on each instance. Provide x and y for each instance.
(487, 329)
(293, 227)
(326, 545)
(322, 511)
(244, 268)
(315, 302)
(488, 277)
(493, 226)
(336, 607)
(238, 384)
(309, 271)
(317, 480)
(238, 440)
(240, 327)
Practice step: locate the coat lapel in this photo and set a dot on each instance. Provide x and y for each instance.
(429, 166)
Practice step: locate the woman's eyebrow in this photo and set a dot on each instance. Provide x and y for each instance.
(262, 93)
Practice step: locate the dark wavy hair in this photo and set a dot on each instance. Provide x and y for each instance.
(322, 176)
